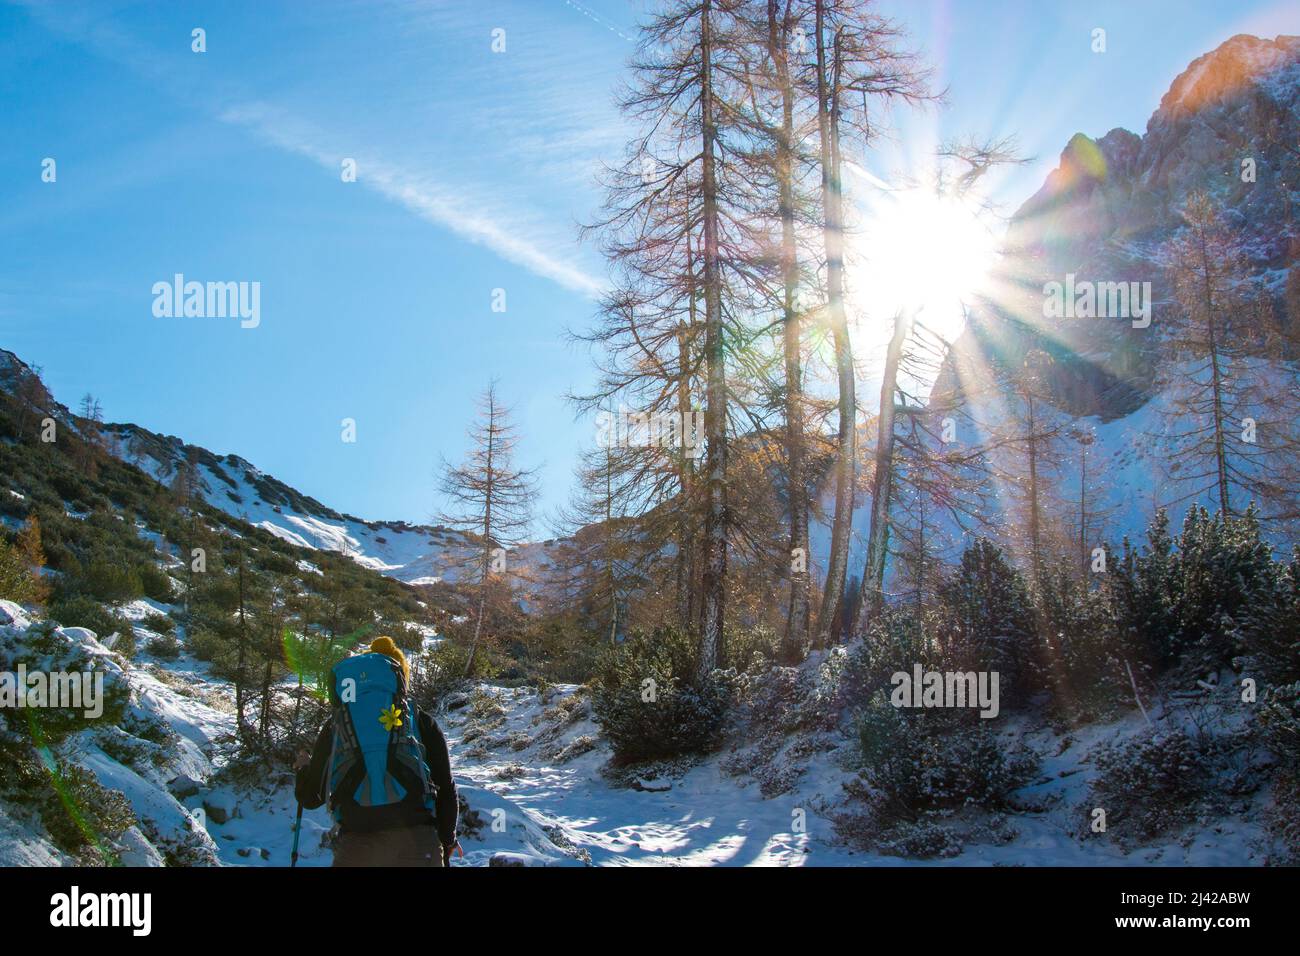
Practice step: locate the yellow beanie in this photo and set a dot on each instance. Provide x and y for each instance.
(385, 645)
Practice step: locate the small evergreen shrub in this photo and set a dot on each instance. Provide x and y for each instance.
(155, 583)
(1268, 626)
(218, 649)
(81, 611)
(921, 840)
(989, 622)
(43, 647)
(933, 760)
(649, 704)
(164, 647)
(110, 581)
(82, 818)
(1150, 784)
(1079, 657)
(1280, 718)
(158, 623)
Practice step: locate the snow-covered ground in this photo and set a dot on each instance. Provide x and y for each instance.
(537, 787)
(704, 815)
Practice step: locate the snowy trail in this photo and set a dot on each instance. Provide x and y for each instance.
(703, 819)
(537, 790)
(707, 817)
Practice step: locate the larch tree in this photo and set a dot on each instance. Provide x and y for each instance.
(1231, 429)
(489, 500)
(859, 66)
(781, 129)
(961, 167)
(681, 259)
(598, 570)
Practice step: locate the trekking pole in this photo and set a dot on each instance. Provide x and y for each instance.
(297, 828)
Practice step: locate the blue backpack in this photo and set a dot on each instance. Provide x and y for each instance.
(379, 772)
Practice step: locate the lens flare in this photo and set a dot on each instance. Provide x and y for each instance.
(919, 250)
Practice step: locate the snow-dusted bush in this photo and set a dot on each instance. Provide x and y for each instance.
(1150, 784)
(750, 649)
(485, 706)
(46, 647)
(81, 611)
(895, 641)
(1080, 657)
(1223, 565)
(913, 762)
(1183, 596)
(164, 647)
(566, 712)
(922, 839)
(1268, 626)
(158, 623)
(650, 705)
(790, 699)
(575, 748)
(82, 818)
(988, 621)
(1280, 718)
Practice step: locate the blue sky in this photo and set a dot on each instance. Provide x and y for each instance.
(474, 168)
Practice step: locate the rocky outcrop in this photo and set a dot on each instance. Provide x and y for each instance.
(1227, 126)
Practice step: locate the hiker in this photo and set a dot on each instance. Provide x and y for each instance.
(383, 765)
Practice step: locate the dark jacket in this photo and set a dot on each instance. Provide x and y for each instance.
(313, 780)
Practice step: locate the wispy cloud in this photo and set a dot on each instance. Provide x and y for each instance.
(452, 207)
(470, 209)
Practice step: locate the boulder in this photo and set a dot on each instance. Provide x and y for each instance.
(184, 786)
(220, 806)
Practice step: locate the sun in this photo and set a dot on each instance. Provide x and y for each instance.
(918, 250)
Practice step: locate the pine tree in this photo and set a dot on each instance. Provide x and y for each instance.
(88, 450)
(782, 125)
(991, 616)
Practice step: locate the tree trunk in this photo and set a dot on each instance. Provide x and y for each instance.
(1083, 511)
(487, 538)
(1216, 384)
(686, 590)
(797, 622)
(240, 683)
(712, 652)
(1034, 555)
(873, 577)
(833, 239)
